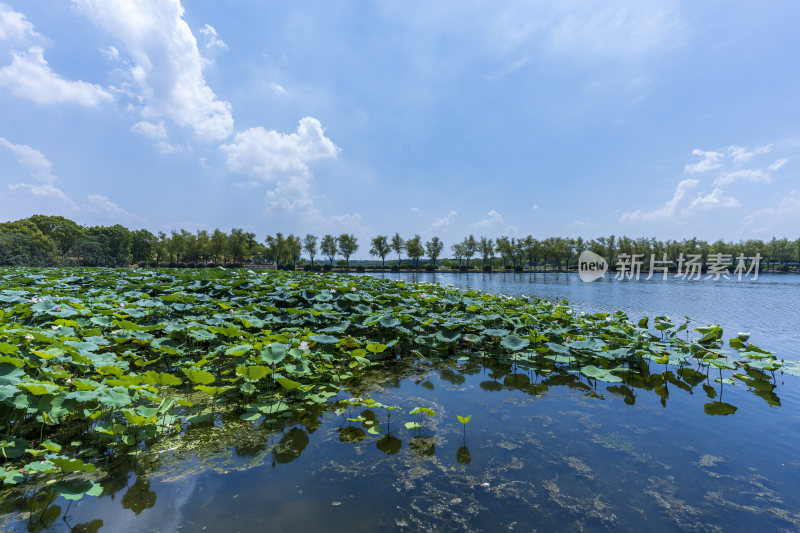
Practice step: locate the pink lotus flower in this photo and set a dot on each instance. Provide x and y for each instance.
(122, 304)
(57, 308)
(304, 345)
(333, 291)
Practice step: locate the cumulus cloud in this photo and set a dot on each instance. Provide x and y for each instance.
(741, 155)
(746, 175)
(493, 218)
(534, 207)
(443, 224)
(709, 161)
(45, 190)
(166, 64)
(277, 88)
(33, 160)
(212, 41)
(29, 76)
(669, 209)
(774, 219)
(155, 131)
(281, 160)
(14, 26)
(101, 204)
(714, 199)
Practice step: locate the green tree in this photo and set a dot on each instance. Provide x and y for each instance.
(486, 249)
(21, 249)
(414, 249)
(294, 247)
(142, 245)
(62, 232)
(398, 245)
(220, 244)
(310, 246)
(434, 248)
(328, 247)
(348, 245)
(380, 247)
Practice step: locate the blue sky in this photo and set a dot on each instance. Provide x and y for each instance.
(572, 118)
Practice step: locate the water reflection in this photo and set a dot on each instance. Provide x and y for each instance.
(501, 446)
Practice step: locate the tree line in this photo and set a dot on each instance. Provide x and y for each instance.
(55, 240)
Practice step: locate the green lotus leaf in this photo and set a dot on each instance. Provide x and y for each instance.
(39, 388)
(212, 391)
(447, 336)
(429, 412)
(287, 383)
(274, 353)
(198, 376)
(10, 374)
(600, 374)
(514, 343)
(253, 372)
(239, 349)
(151, 377)
(376, 348)
(68, 465)
(75, 490)
(323, 339)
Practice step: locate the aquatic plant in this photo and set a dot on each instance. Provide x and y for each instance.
(104, 363)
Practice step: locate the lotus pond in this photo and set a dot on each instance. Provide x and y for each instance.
(162, 400)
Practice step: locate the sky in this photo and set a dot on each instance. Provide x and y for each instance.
(653, 118)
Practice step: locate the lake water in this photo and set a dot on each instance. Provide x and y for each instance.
(545, 449)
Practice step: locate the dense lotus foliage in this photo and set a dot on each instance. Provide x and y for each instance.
(100, 363)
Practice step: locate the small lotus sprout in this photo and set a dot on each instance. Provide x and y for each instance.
(464, 420)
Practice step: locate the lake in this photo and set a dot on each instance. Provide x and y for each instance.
(668, 449)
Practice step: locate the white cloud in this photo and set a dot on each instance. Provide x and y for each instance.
(714, 199)
(777, 165)
(14, 26)
(281, 159)
(29, 76)
(612, 29)
(33, 160)
(101, 204)
(772, 220)
(349, 222)
(747, 175)
(617, 29)
(155, 131)
(166, 64)
(534, 207)
(110, 52)
(45, 190)
(668, 209)
(493, 218)
(741, 155)
(443, 224)
(277, 88)
(710, 161)
(212, 41)
(167, 148)
(414, 209)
